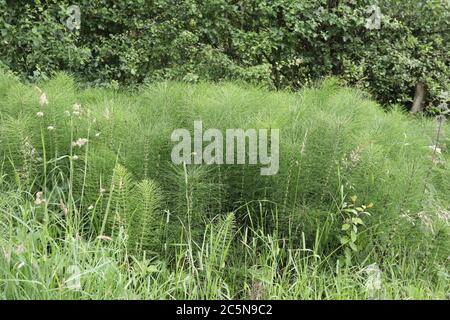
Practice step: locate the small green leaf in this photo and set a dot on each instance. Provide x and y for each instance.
(344, 240)
(353, 246)
(345, 226)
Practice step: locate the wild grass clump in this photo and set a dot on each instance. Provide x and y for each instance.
(92, 206)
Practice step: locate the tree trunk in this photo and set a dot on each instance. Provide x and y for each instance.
(419, 98)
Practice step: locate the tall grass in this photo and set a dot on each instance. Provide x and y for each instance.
(92, 207)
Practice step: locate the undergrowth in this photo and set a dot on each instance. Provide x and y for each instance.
(91, 206)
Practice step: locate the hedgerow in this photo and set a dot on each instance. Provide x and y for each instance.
(280, 44)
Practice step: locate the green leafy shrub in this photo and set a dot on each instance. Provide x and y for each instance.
(279, 44)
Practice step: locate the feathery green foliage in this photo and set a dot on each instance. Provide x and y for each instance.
(87, 182)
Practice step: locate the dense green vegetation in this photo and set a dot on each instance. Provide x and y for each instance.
(279, 43)
(359, 208)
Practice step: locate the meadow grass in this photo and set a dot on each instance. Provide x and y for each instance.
(91, 206)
